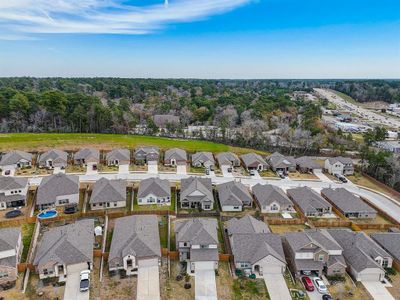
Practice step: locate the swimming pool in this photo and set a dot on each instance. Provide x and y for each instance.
(47, 214)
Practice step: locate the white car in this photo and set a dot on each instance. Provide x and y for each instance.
(320, 286)
(85, 281)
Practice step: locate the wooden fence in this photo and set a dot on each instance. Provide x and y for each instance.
(277, 221)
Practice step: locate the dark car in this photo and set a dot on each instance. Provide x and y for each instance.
(343, 179)
(70, 208)
(307, 283)
(327, 297)
(13, 214)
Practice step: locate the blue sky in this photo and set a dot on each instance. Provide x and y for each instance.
(201, 38)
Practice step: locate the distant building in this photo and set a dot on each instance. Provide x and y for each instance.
(339, 165)
(391, 146)
(162, 121)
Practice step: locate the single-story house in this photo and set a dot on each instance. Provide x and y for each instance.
(203, 159)
(53, 159)
(228, 159)
(144, 155)
(57, 189)
(246, 225)
(233, 196)
(87, 157)
(11, 247)
(108, 193)
(65, 249)
(310, 202)
(135, 242)
(118, 157)
(13, 191)
(272, 199)
(197, 192)
(15, 160)
(306, 164)
(339, 165)
(154, 191)
(281, 163)
(254, 161)
(390, 242)
(175, 156)
(348, 204)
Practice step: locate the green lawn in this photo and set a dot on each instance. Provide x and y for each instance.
(346, 97)
(137, 207)
(74, 141)
(27, 232)
(163, 228)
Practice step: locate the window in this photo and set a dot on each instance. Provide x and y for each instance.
(236, 207)
(207, 206)
(385, 263)
(129, 263)
(63, 201)
(3, 275)
(115, 204)
(321, 257)
(184, 244)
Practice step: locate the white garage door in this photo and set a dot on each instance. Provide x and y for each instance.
(369, 277)
(205, 286)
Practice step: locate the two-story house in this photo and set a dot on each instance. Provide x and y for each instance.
(339, 165)
(63, 248)
(315, 251)
(135, 242)
(197, 242)
(154, 191)
(10, 253)
(145, 155)
(196, 192)
(13, 191)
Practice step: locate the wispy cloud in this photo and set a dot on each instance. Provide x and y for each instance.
(21, 17)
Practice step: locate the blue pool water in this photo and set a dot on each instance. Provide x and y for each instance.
(47, 214)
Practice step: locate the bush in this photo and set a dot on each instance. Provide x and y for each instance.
(390, 271)
(337, 278)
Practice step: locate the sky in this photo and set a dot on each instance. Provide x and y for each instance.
(247, 39)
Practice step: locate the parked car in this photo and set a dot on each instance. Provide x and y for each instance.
(229, 170)
(327, 297)
(70, 208)
(319, 284)
(207, 172)
(13, 214)
(85, 281)
(343, 179)
(252, 172)
(307, 283)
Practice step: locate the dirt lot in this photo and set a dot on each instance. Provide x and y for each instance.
(111, 287)
(395, 290)
(340, 290)
(172, 289)
(287, 228)
(298, 175)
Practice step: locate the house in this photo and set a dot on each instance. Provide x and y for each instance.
(135, 242)
(228, 159)
(15, 160)
(233, 196)
(10, 253)
(314, 250)
(57, 189)
(196, 192)
(162, 121)
(144, 155)
(197, 241)
(154, 191)
(65, 249)
(365, 258)
(309, 201)
(253, 161)
(246, 225)
(13, 191)
(348, 204)
(391, 146)
(390, 242)
(175, 156)
(108, 193)
(339, 165)
(272, 199)
(306, 164)
(118, 157)
(281, 163)
(203, 159)
(53, 159)
(87, 157)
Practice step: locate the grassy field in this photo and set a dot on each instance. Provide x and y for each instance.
(74, 141)
(346, 97)
(27, 232)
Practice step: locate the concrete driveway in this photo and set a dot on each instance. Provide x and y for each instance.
(72, 285)
(322, 176)
(204, 282)
(256, 175)
(181, 169)
(225, 173)
(123, 169)
(148, 284)
(152, 168)
(276, 286)
(377, 290)
(89, 169)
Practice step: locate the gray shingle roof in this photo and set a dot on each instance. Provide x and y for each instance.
(59, 157)
(196, 185)
(233, 193)
(277, 160)
(89, 155)
(306, 162)
(148, 150)
(319, 237)
(106, 190)
(56, 185)
(198, 231)
(254, 247)
(226, 158)
(136, 235)
(12, 183)
(123, 155)
(205, 158)
(68, 244)
(343, 160)
(266, 194)
(390, 241)
(359, 249)
(246, 225)
(253, 158)
(175, 153)
(346, 201)
(156, 186)
(307, 199)
(9, 238)
(204, 255)
(15, 156)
